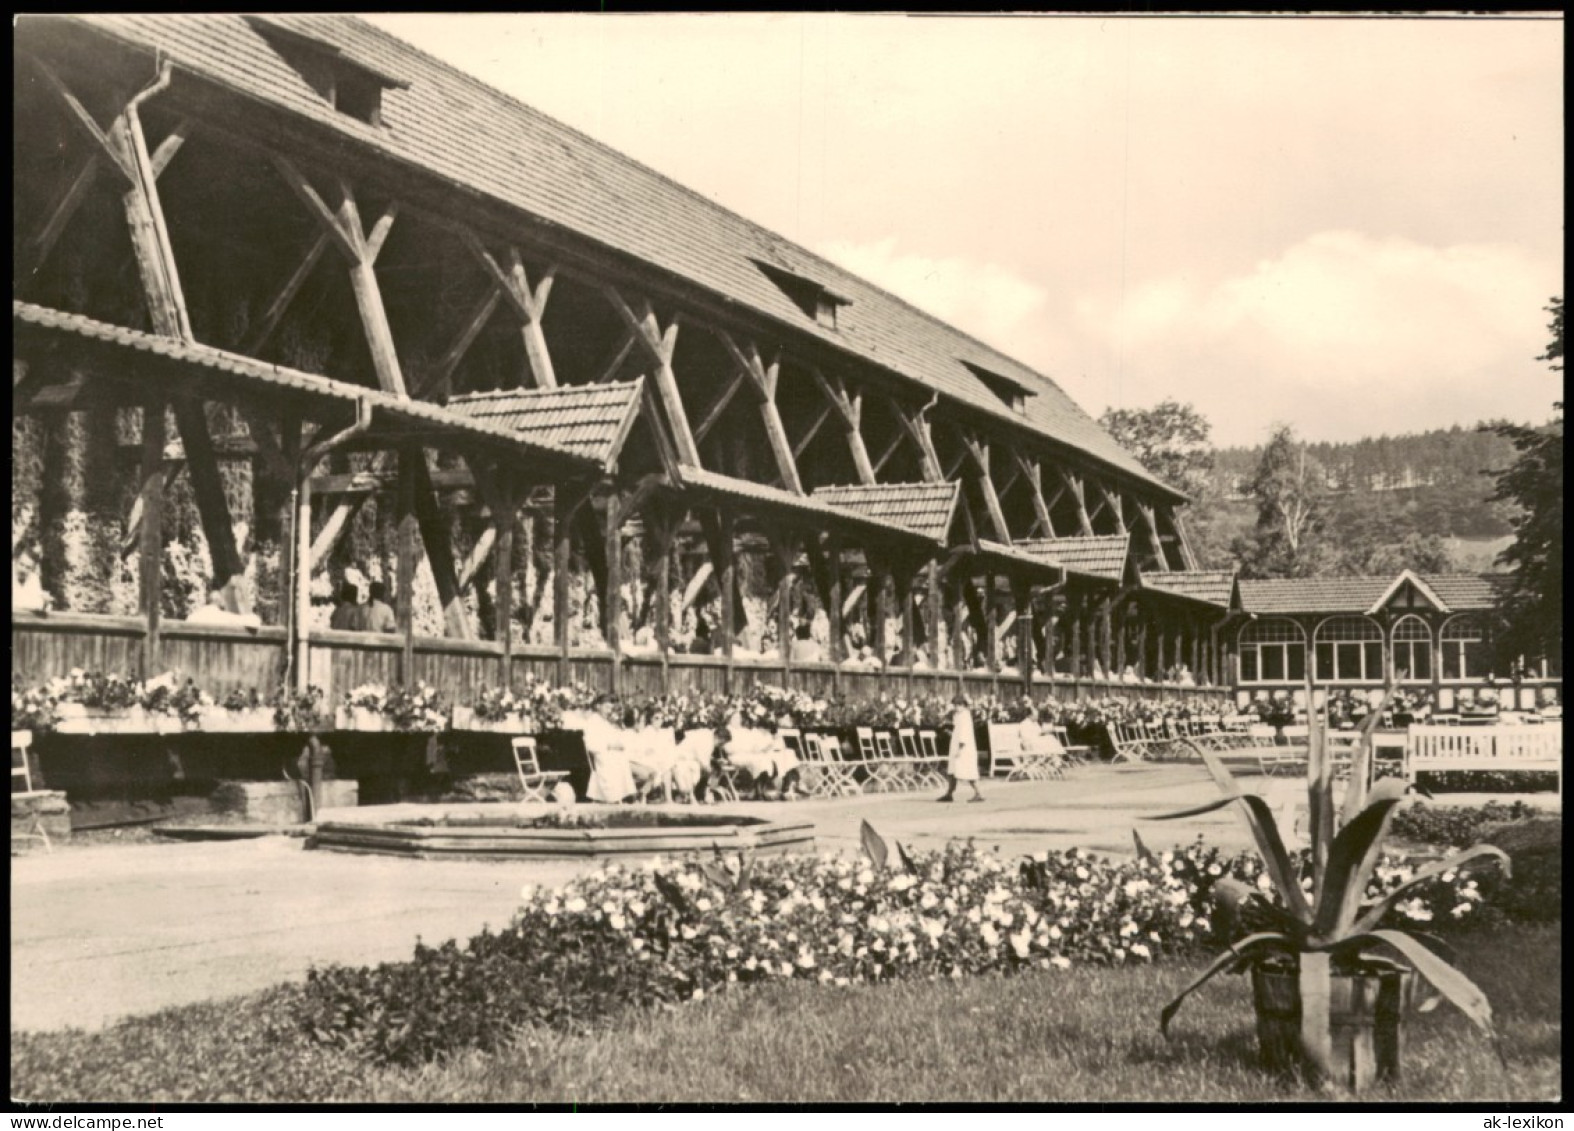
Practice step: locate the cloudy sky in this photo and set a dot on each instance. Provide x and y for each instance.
(1349, 225)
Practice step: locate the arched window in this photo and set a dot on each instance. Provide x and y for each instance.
(1349, 649)
(1413, 648)
(1465, 654)
(1272, 651)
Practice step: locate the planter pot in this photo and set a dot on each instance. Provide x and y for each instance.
(1364, 1016)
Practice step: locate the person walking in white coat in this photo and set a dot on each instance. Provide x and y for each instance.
(963, 755)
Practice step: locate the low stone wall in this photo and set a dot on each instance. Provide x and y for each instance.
(45, 809)
(279, 802)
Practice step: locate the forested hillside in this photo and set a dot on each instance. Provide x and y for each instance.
(1430, 482)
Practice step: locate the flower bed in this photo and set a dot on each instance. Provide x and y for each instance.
(679, 930)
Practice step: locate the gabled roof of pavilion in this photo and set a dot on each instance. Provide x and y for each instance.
(589, 420)
(1099, 556)
(441, 123)
(1358, 595)
(924, 508)
(812, 508)
(1215, 587)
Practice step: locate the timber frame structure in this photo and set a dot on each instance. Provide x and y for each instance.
(324, 276)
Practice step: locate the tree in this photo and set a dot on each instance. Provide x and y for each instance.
(1289, 489)
(1172, 440)
(1530, 604)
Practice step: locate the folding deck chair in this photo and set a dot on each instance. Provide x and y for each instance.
(536, 783)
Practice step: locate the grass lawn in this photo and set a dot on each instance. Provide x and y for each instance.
(1087, 1035)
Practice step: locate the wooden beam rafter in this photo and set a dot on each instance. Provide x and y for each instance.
(660, 343)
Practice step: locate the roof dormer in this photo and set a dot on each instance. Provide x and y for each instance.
(815, 299)
(1013, 392)
(349, 85)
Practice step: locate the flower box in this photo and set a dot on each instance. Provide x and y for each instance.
(249, 720)
(77, 719)
(359, 718)
(464, 718)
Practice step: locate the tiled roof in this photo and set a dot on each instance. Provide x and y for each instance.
(808, 505)
(1019, 555)
(1461, 592)
(589, 420)
(33, 321)
(925, 508)
(1101, 556)
(1212, 587)
(463, 131)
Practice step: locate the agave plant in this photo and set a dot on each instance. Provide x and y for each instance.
(1334, 931)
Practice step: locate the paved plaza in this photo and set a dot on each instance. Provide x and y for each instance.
(103, 932)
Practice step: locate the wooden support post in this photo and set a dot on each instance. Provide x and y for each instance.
(1022, 594)
(504, 517)
(612, 598)
(991, 638)
(902, 582)
(1106, 608)
(1032, 471)
(932, 613)
(833, 609)
(785, 547)
(290, 450)
(439, 549)
(151, 558)
(961, 660)
(724, 558)
(850, 410)
(566, 501)
(409, 527)
(1076, 610)
(207, 485)
(880, 606)
(978, 451)
(660, 343)
(1142, 645)
(1049, 664)
(1074, 484)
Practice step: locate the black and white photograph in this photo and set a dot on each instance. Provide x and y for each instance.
(761, 560)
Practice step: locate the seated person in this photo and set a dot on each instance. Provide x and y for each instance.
(27, 587)
(214, 612)
(377, 615)
(347, 615)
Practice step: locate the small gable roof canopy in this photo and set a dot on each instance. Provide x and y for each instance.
(1100, 556)
(1017, 558)
(925, 508)
(1208, 587)
(809, 509)
(451, 132)
(136, 357)
(589, 420)
(1362, 595)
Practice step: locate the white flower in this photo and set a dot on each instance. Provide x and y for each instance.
(1127, 929)
(1460, 909)
(528, 892)
(638, 943)
(699, 994)
(1054, 932)
(990, 936)
(687, 931)
(703, 904)
(806, 959)
(1082, 873)
(1140, 950)
(934, 928)
(1020, 943)
(636, 909)
(928, 901)
(617, 921)
(1060, 962)
(974, 915)
(574, 905)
